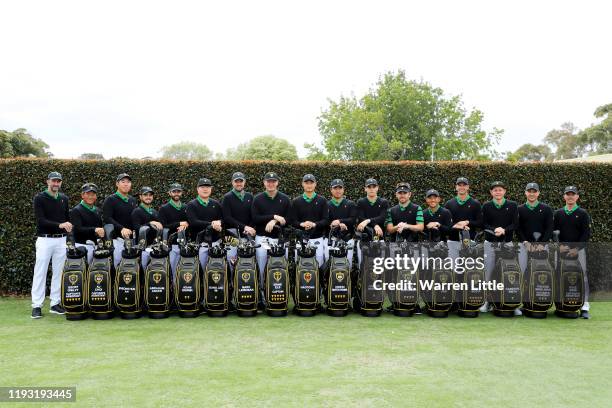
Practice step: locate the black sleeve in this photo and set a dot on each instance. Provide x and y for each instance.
(39, 212)
(323, 221)
(486, 222)
(350, 220)
(515, 219)
(66, 209)
(586, 228)
(446, 222)
(477, 221)
(194, 222)
(256, 215)
(380, 218)
(76, 220)
(556, 221)
(109, 215)
(137, 219)
(360, 211)
(294, 214)
(228, 219)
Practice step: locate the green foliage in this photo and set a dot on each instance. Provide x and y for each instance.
(20, 143)
(263, 148)
(25, 177)
(530, 152)
(91, 156)
(403, 120)
(187, 151)
(597, 139)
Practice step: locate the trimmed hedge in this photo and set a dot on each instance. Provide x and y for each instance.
(23, 178)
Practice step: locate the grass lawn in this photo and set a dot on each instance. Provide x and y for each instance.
(295, 361)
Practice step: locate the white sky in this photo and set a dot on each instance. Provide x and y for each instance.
(128, 77)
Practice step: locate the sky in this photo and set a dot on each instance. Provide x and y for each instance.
(125, 78)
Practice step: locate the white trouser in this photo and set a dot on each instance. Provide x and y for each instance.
(320, 254)
(203, 254)
(232, 254)
(145, 258)
(349, 253)
(54, 250)
(118, 244)
(262, 256)
(583, 265)
(90, 249)
(175, 252)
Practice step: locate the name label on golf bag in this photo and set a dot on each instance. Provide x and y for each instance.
(73, 285)
(245, 284)
(306, 294)
(99, 283)
(215, 284)
(277, 283)
(339, 284)
(187, 285)
(571, 285)
(157, 285)
(128, 286)
(540, 285)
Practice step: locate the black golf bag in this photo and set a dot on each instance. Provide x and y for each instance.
(439, 299)
(305, 281)
(100, 277)
(470, 300)
(369, 293)
(246, 281)
(336, 280)
(276, 279)
(129, 279)
(217, 291)
(538, 282)
(187, 289)
(157, 278)
(507, 271)
(569, 276)
(74, 282)
(404, 296)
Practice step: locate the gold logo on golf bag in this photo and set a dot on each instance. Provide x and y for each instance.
(277, 276)
(98, 278)
(339, 276)
(443, 278)
(188, 277)
(157, 277)
(511, 278)
(127, 278)
(307, 277)
(572, 278)
(246, 276)
(73, 278)
(542, 278)
(215, 276)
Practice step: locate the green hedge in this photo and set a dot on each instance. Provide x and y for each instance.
(23, 178)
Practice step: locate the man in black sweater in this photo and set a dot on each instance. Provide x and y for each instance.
(574, 225)
(466, 213)
(117, 210)
(534, 217)
(173, 216)
(204, 212)
(342, 214)
(309, 213)
(405, 218)
(52, 225)
(236, 205)
(371, 212)
(86, 220)
(438, 220)
(145, 215)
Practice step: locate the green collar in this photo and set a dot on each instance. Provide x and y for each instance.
(336, 203)
(178, 208)
(498, 206)
(433, 212)
(91, 208)
(51, 195)
(147, 209)
(238, 194)
(532, 207)
(204, 203)
(403, 208)
(309, 200)
(569, 212)
(372, 202)
(121, 196)
(460, 201)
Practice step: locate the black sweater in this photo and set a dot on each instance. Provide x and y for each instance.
(346, 212)
(470, 211)
(376, 212)
(85, 222)
(141, 217)
(200, 216)
(237, 212)
(506, 217)
(316, 211)
(410, 214)
(50, 212)
(574, 227)
(540, 219)
(444, 217)
(264, 208)
(170, 217)
(118, 212)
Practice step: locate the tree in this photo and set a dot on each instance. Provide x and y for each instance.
(403, 120)
(91, 156)
(187, 151)
(565, 142)
(20, 143)
(597, 139)
(263, 148)
(530, 152)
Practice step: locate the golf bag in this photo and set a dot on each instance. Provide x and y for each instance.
(246, 282)
(337, 274)
(305, 282)
(507, 271)
(471, 299)
(438, 299)
(187, 280)
(569, 296)
(538, 292)
(369, 295)
(405, 296)
(157, 278)
(217, 291)
(100, 277)
(129, 278)
(276, 279)
(74, 283)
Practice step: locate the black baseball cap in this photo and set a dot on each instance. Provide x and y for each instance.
(87, 187)
(463, 180)
(371, 182)
(54, 175)
(532, 186)
(122, 176)
(175, 187)
(497, 184)
(431, 192)
(402, 187)
(309, 177)
(145, 190)
(238, 176)
(336, 183)
(204, 182)
(570, 189)
(271, 176)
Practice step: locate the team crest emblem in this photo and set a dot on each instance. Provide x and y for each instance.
(127, 278)
(157, 277)
(542, 278)
(98, 278)
(307, 277)
(246, 276)
(277, 276)
(215, 276)
(339, 276)
(572, 279)
(73, 278)
(187, 277)
(443, 278)
(511, 279)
